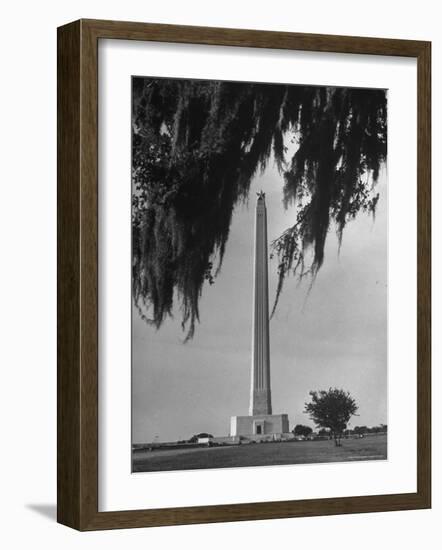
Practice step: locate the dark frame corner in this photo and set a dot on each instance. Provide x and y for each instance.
(77, 387)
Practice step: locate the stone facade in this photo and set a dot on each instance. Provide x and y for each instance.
(259, 425)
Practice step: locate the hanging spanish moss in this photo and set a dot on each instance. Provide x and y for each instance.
(196, 147)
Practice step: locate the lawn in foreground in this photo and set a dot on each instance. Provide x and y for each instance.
(261, 454)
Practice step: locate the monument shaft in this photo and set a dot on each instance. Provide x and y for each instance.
(260, 395)
(260, 424)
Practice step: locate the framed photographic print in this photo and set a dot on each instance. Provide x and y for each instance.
(243, 275)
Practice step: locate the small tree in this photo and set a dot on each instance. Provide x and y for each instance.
(360, 430)
(331, 409)
(301, 430)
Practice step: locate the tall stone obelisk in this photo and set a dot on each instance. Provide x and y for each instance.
(260, 396)
(260, 424)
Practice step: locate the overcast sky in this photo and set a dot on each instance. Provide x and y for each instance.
(334, 335)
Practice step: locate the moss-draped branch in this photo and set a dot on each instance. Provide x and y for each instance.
(196, 147)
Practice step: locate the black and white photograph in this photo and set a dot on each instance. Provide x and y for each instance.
(259, 274)
(219, 255)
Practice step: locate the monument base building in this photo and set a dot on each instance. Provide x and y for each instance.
(261, 424)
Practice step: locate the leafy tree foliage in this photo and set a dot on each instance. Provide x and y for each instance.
(360, 430)
(196, 147)
(301, 430)
(331, 409)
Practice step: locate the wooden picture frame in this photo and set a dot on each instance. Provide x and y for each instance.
(77, 460)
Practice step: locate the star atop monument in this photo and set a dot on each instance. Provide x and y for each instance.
(261, 195)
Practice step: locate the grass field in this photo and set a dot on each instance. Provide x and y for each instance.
(263, 454)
